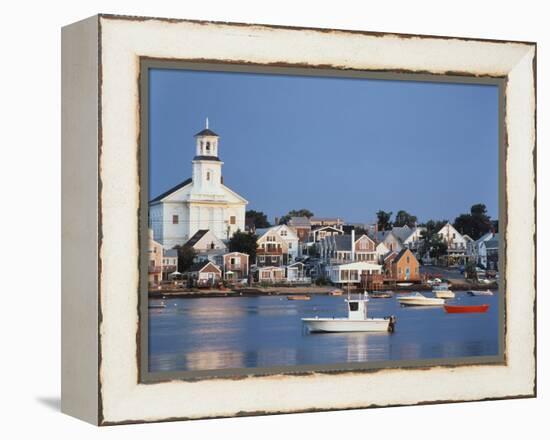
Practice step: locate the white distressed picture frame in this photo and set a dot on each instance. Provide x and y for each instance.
(101, 194)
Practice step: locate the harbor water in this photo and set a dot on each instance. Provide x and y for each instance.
(266, 331)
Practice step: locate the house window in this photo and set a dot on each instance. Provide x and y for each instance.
(283, 233)
(290, 245)
(175, 219)
(232, 220)
(408, 259)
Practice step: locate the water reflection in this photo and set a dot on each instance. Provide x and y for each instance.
(218, 333)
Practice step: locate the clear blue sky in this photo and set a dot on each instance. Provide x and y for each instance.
(339, 147)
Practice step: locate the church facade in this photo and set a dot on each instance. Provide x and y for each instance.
(200, 202)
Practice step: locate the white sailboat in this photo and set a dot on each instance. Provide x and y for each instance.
(417, 299)
(356, 321)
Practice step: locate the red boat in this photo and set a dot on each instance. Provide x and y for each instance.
(482, 308)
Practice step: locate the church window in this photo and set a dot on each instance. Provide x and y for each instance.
(175, 219)
(208, 146)
(232, 220)
(208, 175)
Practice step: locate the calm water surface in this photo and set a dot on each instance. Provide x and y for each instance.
(266, 331)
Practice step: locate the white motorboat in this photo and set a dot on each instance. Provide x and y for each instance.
(442, 291)
(417, 299)
(404, 284)
(480, 292)
(357, 320)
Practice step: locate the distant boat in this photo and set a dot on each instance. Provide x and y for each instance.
(159, 305)
(356, 321)
(442, 291)
(482, 308)
(336, 292)
(404, 284)
(381, 294)
(417, 299)
(298, 297)
(480, 292)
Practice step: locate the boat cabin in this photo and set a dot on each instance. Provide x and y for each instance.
(357, 308)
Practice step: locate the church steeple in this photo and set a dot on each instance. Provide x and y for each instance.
(207, 144)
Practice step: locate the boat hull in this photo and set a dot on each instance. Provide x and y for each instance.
(444, 294)
(343, 325)
(480, 293)
(482, 308)
(421, 301)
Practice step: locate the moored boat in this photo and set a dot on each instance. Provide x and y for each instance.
(298, 297)
(417, 299)
(336, 292)
(442, 291)
(404, 284)
(381, 294)
(356, 321)
(157, 305)
(480, 308)
(480, 292)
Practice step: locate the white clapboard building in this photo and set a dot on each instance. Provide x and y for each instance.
(200, 202)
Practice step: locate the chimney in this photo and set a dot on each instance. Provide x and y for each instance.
(353, 245)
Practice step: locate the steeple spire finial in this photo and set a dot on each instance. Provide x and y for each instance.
(207, 122)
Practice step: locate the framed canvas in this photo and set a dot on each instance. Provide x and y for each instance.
(264, 219)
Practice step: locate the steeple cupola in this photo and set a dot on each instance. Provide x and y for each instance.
(207, 144)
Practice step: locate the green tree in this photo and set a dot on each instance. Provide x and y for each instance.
(384, 220)
(295, 213)
(257, 218)
(432, 244)
(403, 218)
(474, 224)
(245, 243)
(186, 257)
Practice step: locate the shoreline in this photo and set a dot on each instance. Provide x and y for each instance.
(283, 291)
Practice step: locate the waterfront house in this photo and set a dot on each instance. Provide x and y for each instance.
(235, 265)
(204, 274)
(381, 251)
(270, 274)
(456, 244)
(337, 249)
(390, 240)
(322, 232)
(402, 266)
(295, 273)
(357, 273)
(277, 246)
(480, 251)
(154, 267)
(201, 202)
(169, 262)
(489, 250)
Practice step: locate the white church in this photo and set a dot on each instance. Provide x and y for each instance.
(201, 202)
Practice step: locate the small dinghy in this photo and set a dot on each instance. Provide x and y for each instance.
(356, 321)
(480, 292)
(379, 294)
(336, 292)
(481, 308)
(417, 299)
(298, 297)
(158, 305)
